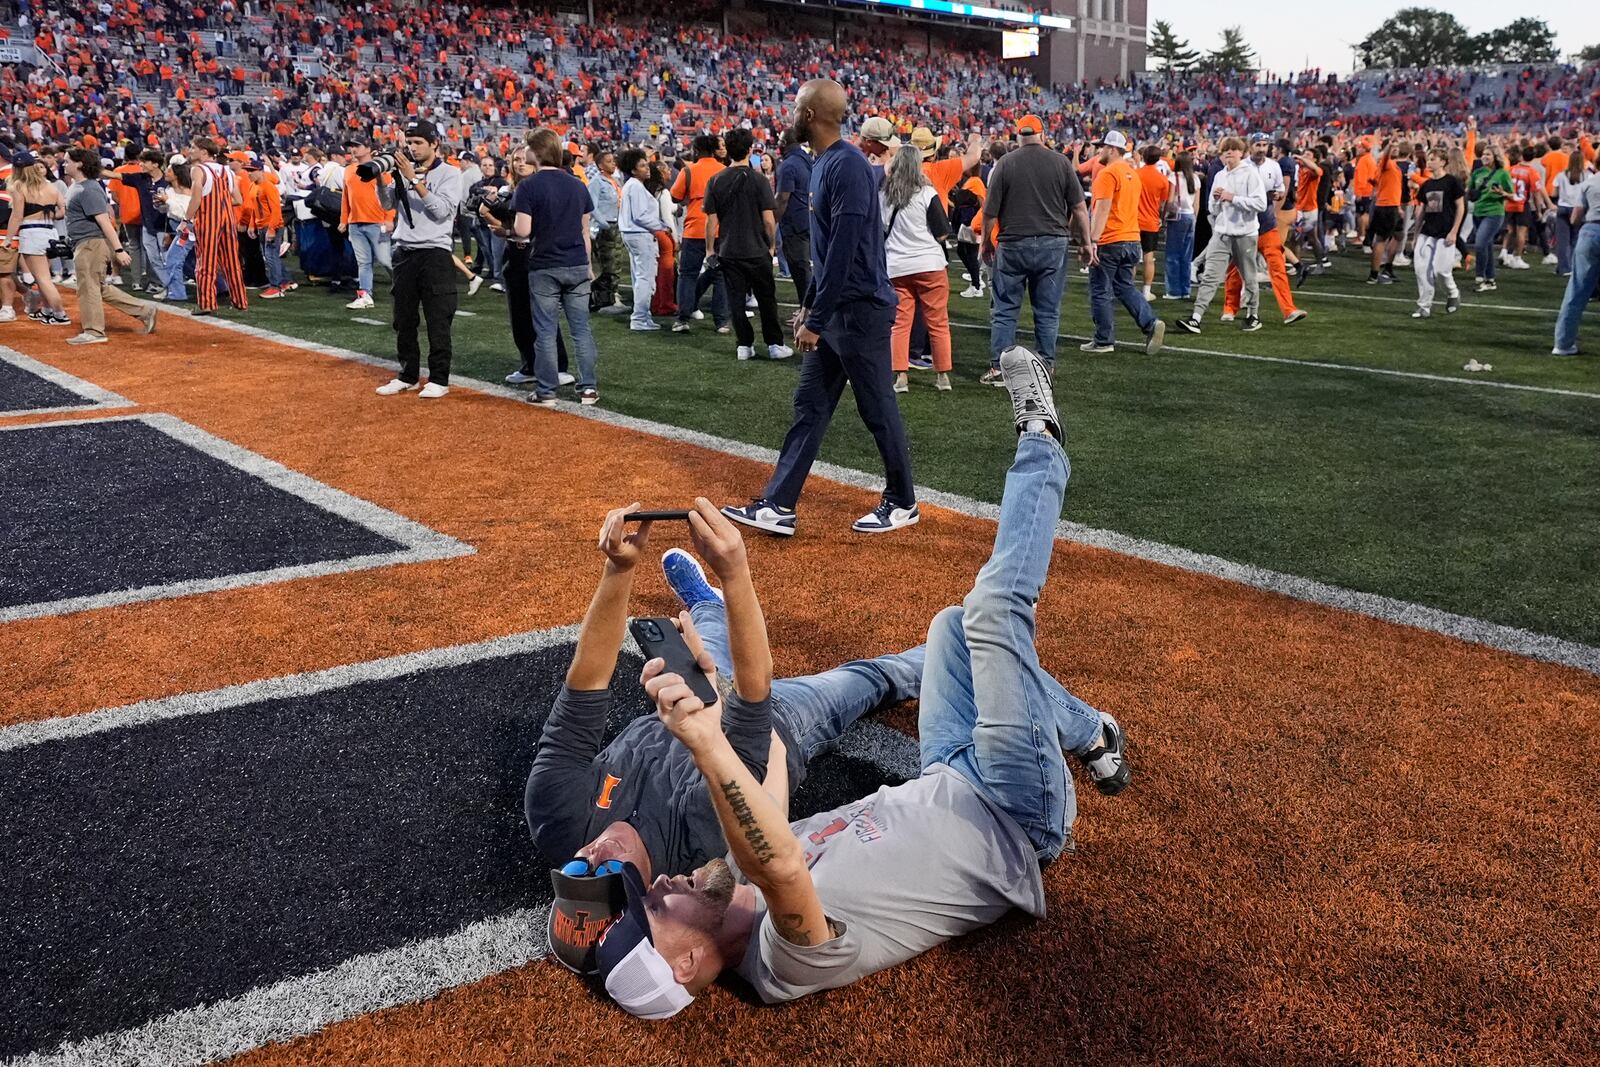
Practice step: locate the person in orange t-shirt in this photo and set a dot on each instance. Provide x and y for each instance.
(1114, 230)
(1155, 189)
(1363, 183)
(268, 210)
(1388, 224)
(690, 190)
(1523, 206)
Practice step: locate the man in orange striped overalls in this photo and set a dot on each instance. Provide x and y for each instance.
(213, 208)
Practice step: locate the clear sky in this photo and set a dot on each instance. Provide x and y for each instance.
(1295, 38)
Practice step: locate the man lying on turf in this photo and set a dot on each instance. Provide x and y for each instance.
(640, 800)
(848, 892)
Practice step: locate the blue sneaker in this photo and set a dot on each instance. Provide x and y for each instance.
(921, 362)
(687, 578)
(886, 517)
(763, 514)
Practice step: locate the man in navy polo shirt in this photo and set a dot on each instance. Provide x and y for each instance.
(553, 208)
(794, 211)
(843, 327)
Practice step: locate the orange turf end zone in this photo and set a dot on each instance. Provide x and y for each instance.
(1348, 841)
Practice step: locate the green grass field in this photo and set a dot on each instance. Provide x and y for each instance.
(1456, 494)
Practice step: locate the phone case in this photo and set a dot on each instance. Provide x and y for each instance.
(660, 639)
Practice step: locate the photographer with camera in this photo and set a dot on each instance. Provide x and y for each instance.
(428, 197)
(365, 219)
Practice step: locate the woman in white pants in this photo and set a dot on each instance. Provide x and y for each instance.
(639, 220)
(1442, 204)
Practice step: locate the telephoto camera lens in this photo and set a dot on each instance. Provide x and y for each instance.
(382, 163)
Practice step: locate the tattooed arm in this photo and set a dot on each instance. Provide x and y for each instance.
(758, 834)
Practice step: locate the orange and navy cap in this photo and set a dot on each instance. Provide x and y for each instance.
(586, 903)
(1030, 124)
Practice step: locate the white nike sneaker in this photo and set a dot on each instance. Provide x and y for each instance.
(779, 351)
(434, 392)
(744, 352)
(395, 386)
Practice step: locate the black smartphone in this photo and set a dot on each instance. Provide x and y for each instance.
(660, 639)
(656, 516)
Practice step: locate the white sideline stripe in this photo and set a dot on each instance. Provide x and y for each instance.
(418, 543)
(1465, 304)
(1388, 609)
(98, 399)
(367, 321)
(303, 1005)
(299, 1006)
(468, 314)
(1452, 379)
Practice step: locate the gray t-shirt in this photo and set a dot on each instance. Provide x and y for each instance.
(898, 872)
(85, 200)
(1032, 192)
(1591, 199)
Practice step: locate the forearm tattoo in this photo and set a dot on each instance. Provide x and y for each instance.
(759, 845)
(791, 927)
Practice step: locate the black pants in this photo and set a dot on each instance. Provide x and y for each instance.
(854, 348)
(424, 284)
(514, 272)
(968, 251)
(797, 253)
(746, 276)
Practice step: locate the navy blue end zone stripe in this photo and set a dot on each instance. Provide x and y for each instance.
(198, 876)
(28, 387)
(116, 510)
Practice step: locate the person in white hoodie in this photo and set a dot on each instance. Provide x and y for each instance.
(1238, 196)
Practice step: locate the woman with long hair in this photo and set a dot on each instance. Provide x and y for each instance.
(1180, 226)
(1488, 192)
(665, 300)
(491, 247)
(1569, 195)
(35, 205)
(915, 230)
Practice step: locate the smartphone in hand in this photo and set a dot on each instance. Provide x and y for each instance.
(660, 639)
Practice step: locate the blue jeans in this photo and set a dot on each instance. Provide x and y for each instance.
(561, 291)
(277, 273)
(691, 256)
(1484, 231)
(1566, 238)
(179, 261)
(154, 257)
(989, 709)
(1113, 276)
(811, 713)
(367, 239)
(491, 253)
(1040, 263)
(1180, 253)
(1580, 287)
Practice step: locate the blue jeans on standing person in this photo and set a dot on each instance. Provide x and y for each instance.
(277, 273)
(1566, 237)
(1111, 277)
(811, 713)
(559, 291)
(691, 256)
(491, 252)
(989, 709)
(1180, 250)
(1484, 231)
(1580, 287)
(367, 239)
(1040, 264)
(155, 257)
(179, 260)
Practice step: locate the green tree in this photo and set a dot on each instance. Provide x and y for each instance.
(1232, 56)
(1527, 40)
(1417, 37)
(1590, 54)
(1172, 55)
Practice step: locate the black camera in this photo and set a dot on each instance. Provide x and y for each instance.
(59, 248)
(499, 207)
(382, 163)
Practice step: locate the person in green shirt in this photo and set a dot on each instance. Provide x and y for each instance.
(1488, 189)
